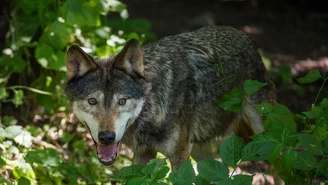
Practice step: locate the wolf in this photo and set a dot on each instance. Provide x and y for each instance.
(162, 97)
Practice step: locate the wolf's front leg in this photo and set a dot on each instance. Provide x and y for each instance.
(143, 157)
(182, 150)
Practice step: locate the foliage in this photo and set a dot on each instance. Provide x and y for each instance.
(298, 158)
(33, 62)
(52, 149)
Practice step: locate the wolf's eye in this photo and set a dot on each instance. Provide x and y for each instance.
(122, 101)
(92, 101)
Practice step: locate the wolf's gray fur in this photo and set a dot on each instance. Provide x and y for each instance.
(176, 83)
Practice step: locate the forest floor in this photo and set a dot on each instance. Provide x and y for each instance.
(293, 37)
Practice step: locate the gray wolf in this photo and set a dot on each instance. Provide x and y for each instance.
(162, 97)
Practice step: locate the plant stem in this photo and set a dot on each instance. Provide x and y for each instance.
(324, 81)
(30, 89)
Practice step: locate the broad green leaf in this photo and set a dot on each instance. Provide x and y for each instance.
(2, 162)
(82, 14)
(49, 59)
(277, 114)
(212, 170)
(288, 158)
(312, 76)
(3, 133)
(311, 143)
(275, 153)
(231, 150)
(324, 103)
(323, 167)
(57, 35)
(184, 175)
(232, 100)
(3, 93)
(252, 86)
(138, 181)
(325, 145)
(305, 161)
(23, 181)
(238, 180)
(154, 166)
(129, 172)
(18, 97)
(24, 139)
(201, 181)
(13, 131)
(34, 156)
(257, 150)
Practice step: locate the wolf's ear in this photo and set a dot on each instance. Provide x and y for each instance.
(130, 59)
(78, 63)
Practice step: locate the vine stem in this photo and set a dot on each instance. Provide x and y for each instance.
(30, 89)
(323, 84)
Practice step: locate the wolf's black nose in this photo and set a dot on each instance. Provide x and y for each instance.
(106, 138)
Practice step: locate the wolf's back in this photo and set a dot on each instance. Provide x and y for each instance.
(190, 71)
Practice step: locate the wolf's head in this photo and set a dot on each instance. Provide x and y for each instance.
(107, 94)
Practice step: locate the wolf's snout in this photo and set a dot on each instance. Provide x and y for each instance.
(106, 137)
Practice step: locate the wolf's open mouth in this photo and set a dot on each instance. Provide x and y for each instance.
(107, 153)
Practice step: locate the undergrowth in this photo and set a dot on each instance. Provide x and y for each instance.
(54, 149)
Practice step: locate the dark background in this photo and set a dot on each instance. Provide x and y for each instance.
(290, 33)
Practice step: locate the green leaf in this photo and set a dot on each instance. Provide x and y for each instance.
(238, 180)
(57, 35)
(212, 170)
(24, 139)
(305, 161)
(18, 97)
(157, 167)
(323, 167)
(13, 131)
(138, 181)
(275, 153)
(311, 143)
(257, 150)
(3, 93)
(201, 181)
(252, 86)
(312, 76)
(23, 181)
(277, 114)
(154, 166)
(231, 150)
(232, 100)
(49, 59)
(2, 162)
(129, 172)
(34, 156)
(288, 159)
(324, 103)
(82, 14)
(184, 175)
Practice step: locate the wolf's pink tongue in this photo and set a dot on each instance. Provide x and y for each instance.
(107, 153)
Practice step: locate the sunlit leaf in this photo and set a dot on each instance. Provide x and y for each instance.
(13, 131)
(3, 93)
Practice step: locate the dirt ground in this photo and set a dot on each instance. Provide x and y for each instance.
(289, 33)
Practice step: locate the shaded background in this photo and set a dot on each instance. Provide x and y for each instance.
(290, 33)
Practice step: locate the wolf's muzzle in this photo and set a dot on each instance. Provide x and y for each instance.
(106, 137)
